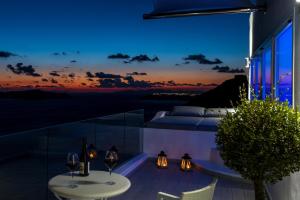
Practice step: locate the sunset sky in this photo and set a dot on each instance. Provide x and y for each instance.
(84, 44)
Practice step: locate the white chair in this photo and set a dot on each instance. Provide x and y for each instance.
(205, 193)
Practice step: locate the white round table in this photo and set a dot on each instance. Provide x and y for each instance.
(98, 185)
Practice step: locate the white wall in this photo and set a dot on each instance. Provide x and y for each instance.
(177, 142)
(287, 189)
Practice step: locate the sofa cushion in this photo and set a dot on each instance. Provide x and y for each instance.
(218, 112)
(189, 111)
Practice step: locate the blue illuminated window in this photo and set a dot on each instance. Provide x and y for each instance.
(256, 77)
(283, 64)
(266, 73)
(253, 78)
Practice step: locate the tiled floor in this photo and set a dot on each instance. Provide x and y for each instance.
(26, 179)
(148, 180)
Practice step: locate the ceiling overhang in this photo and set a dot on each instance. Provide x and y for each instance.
(182, 8)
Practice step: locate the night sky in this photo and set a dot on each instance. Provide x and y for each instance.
(88, 44)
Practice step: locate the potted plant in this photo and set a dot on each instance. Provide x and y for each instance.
(261, 141)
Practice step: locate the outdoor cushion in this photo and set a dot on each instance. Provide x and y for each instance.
(217, 112)
(176, 122)
(190, 111)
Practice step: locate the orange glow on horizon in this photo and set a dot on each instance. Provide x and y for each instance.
(187, 80)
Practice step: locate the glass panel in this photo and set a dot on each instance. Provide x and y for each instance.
(253, 77)
(258, 81)
(284, 65)
(256, 76)
(28, 160)
(23, 166)
(267, 73)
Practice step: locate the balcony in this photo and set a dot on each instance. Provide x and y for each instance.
(30, 159)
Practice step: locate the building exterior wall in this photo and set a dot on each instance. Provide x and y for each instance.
(178, 142)
(263, 27)
(266, 24)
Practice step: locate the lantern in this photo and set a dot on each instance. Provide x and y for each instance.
(92, 152)
(186, 164)
(162, 161)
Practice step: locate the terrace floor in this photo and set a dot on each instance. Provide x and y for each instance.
(19, 180)
(26, 178)
(147, 181)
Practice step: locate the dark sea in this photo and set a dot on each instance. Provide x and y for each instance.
(25, 114)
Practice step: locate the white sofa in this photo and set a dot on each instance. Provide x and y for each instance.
(189, 118)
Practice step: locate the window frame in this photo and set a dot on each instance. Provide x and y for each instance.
(276, 74)
(271, 42)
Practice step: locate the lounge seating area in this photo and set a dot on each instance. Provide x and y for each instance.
(189, 118)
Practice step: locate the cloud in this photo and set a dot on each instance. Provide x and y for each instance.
(105, 80)
(19, 69)
(54, 81)
(58, 53)
(141, 84)
(137, 74)
(90, 75)
(89, 79)
(185, 63)
(65, 76)
(227, 69)
(44, 80)
(201, 59)
(73, 61)
(111, 83)
(6, 54)
(118, 56)
(126, 82)
(142, 58)
(72, 75)
(54, 73)
(102, 75)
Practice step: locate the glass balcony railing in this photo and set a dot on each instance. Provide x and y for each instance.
(29, 159)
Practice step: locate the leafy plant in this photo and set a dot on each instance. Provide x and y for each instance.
(261, 141)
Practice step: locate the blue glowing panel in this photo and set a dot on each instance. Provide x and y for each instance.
(284, 64)
(253, 78)
(259, 77)
(266, 73)
(256, 77)
(252, 67)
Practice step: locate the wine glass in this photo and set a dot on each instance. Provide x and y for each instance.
(73, 165)
(111, 159)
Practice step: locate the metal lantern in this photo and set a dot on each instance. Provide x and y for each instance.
(92, 152)
(186, 164)
(162, 160)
